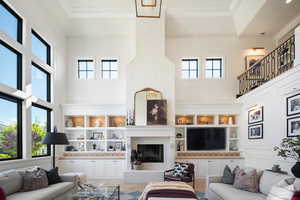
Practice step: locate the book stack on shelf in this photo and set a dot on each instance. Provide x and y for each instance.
(89, 133)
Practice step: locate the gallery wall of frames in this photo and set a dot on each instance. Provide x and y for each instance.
(255, 123)
(293, 115)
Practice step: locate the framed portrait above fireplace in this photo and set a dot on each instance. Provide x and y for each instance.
(157, 112)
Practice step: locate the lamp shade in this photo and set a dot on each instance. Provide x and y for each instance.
(56, 138)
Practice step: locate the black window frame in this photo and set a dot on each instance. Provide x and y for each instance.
(49, 110)
(19, 103)
(221, 70)
(189, 70)
(19, 64)
(20, 21)
(48, 60)
(110, 70)
(86, 68)
(48, 99)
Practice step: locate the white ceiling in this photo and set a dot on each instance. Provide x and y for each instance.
(188, 17)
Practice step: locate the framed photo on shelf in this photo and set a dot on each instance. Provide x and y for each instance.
(251, 60)
(293, 105)
(293, 126)
(98, 135)
(256, 115)
(118, 146)
(256, 132)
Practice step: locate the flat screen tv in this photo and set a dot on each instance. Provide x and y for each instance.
(202, 139)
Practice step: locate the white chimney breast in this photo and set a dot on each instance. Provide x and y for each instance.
(150, 67)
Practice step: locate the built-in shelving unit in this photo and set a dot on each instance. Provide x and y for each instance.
(228, 121)
(95, 133)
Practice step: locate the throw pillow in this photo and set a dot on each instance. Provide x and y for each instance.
(228, 176)
(33, 180)
(180, 169)
(296, 196)
(246, 181)
(2, 194)
(53, 176)
(283, 190)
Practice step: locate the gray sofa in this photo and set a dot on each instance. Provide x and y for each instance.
(11, 182)
(220, 191)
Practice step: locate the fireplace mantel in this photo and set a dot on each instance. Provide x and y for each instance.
(150, 131)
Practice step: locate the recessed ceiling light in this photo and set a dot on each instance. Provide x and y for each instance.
(288, 1)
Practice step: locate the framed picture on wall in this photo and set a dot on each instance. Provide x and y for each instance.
(251, 60)
(293, 105)
(256, 115)
(256, 132)
(293, 126)
(157, 112)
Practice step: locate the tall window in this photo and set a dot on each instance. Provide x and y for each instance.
(190, 69)
(110, 69)
(10, 66)
(214, 68)
(10, 128)
(40, 48)
(10, 22)
(40, 83)
(41, 124)
(86, 69)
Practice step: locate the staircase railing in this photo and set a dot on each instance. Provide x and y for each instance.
(272, 65)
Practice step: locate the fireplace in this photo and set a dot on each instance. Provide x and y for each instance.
(151, 153)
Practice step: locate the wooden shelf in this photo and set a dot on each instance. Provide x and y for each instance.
(96, 121)
(227, 119)
(184, 119)
(116, 121)
(74, 121)
(205, 119)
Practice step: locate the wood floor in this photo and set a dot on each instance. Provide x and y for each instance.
(200, 185)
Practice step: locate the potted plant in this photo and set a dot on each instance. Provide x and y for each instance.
(290, 148)
(135, 159)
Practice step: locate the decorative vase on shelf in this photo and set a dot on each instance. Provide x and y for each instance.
(230, 121)
(69, 123)
(296, 169)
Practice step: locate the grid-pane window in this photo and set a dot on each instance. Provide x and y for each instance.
(40, 48)
(86, 69)
(40, 83)
(10, 66)
(110, 69)
(10, 128)
(10, 22)
(190, 69)
(214, 68)
(41, 118)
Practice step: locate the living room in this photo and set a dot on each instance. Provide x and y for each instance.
(100, 99)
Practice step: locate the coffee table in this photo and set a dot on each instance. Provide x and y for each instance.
(98, 193)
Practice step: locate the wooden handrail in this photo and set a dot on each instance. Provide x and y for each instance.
(270, 66)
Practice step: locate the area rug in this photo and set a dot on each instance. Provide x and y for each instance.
(135, 195)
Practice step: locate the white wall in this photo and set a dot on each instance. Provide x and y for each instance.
(259, 153)
(98, 91)
(204, 91)
(41, 21)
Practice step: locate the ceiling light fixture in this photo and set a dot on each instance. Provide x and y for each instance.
(288, 1)
(148, 8)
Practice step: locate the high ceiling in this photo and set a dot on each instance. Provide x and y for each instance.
(92, 8)
(188, 17)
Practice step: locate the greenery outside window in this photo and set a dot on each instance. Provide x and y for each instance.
(10, 128)
(41, 124)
